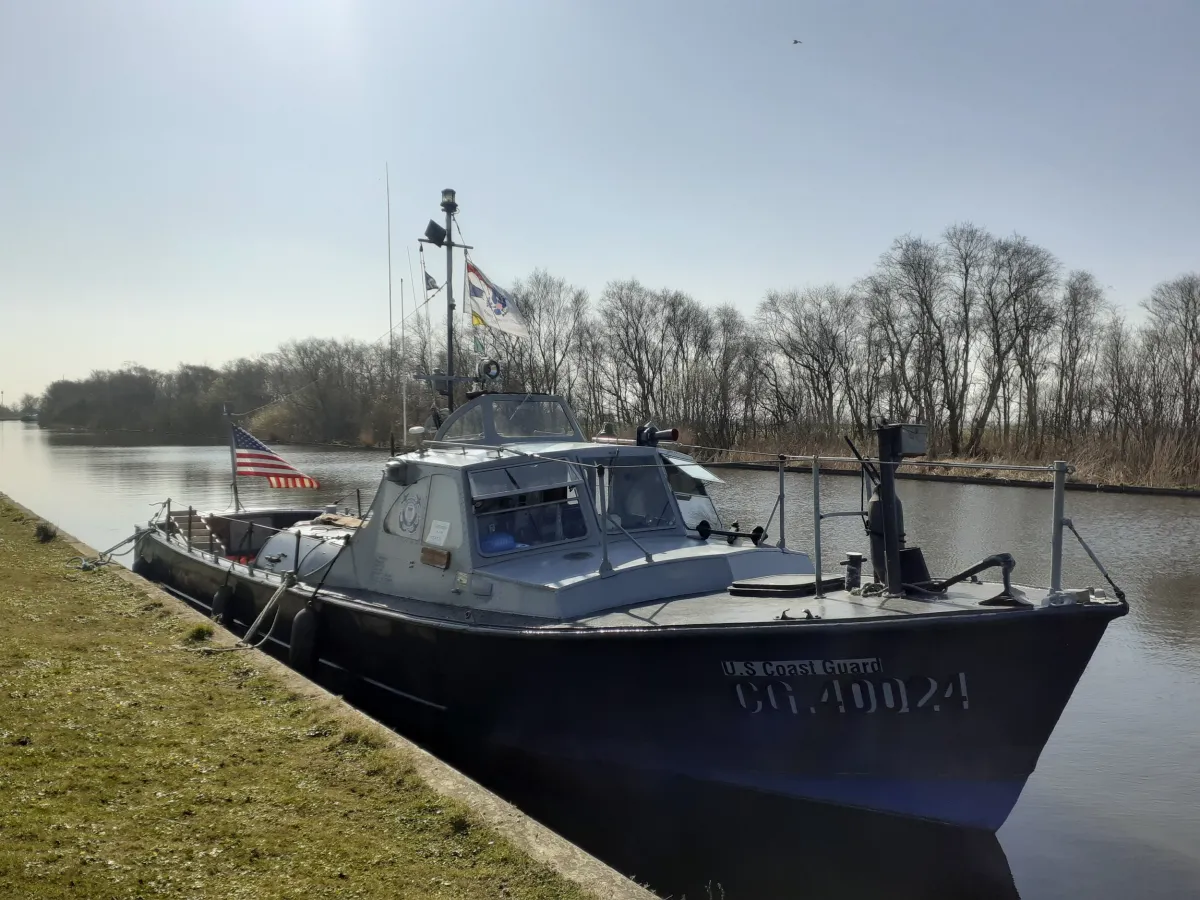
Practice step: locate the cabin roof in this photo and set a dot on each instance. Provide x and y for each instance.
(462, 456)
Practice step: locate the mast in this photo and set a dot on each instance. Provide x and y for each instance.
(435, 234)
(449, 206)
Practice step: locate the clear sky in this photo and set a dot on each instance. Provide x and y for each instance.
(194, 181)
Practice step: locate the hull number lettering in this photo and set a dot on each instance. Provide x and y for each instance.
(842, 696)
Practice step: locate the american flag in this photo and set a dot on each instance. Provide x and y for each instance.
(256, 458)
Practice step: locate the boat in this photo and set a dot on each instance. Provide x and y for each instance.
(483, 589)
(579, 605)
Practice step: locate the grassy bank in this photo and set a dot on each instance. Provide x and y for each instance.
(132, 765)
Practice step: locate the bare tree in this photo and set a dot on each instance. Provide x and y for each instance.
(1174, 308)
(1015, 284)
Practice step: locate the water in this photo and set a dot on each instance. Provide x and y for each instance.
(1112, 811)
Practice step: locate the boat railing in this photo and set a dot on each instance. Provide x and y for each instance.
(1058, 471)
(170, 527)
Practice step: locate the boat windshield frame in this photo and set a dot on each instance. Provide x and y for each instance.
(646, 458)
(495, 419)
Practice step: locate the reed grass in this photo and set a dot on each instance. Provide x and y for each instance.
(1164, 462)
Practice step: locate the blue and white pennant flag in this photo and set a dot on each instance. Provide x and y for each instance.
(492, 307)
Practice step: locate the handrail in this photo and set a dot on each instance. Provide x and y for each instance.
(1058, 519)
(927, 463)
(807, 457)
(253, 525)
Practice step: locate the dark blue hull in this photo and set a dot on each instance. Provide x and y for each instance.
(940, 718)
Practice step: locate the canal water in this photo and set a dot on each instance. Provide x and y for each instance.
(1112, 811)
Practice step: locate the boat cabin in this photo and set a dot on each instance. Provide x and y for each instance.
(509, 508)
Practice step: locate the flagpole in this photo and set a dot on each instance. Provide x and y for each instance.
(403, 381)
(449, 206)
(237, 503)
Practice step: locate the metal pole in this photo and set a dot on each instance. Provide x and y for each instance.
(1056, 532)
(888, 459)
(387, 181)
(816, 476)
(237, 503)
(449, 309)
(358, 498)
(403, 382)
(602, 482)
(296, 561)
(168, 517)
(189, 538)
(782, 518)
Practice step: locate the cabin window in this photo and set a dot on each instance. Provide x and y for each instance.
(531, 418)
(691, 494)
(467, 427)
(637, 497)
(523, 506)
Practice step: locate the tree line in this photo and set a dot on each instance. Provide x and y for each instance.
(27, 405)
(990, 340)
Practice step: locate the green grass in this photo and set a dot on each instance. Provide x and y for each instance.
(131, 766)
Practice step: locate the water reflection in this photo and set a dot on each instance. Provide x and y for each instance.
(684, 841)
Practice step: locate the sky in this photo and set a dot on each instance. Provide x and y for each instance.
(197, 181)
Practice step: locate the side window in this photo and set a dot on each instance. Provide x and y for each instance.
(443, 523)
(521, 521)
(694, 503)
(405, 516)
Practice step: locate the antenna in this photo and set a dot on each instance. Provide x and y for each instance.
(387, 181)
(403, 349)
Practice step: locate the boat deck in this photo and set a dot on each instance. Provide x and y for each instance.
(735, 607)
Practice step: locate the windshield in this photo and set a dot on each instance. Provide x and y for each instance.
(637, 496)
(530, 417)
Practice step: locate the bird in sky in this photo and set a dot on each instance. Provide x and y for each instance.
(797, 42)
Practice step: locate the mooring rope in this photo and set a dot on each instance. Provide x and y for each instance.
(1099, 565)
(91, 563)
